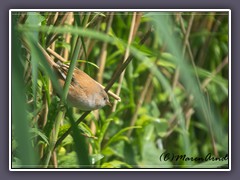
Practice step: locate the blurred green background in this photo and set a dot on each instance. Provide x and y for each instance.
(174, 91)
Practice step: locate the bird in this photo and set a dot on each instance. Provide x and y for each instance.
(84, 92)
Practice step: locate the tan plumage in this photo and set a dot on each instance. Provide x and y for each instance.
(84, 92)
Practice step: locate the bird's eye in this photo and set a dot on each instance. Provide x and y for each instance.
(105, 99)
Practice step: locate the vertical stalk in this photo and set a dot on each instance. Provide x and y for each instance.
(63, 100)
(130, 38)
(140, 102)
(102, 62)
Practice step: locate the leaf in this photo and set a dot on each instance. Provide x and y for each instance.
(86, 130)
(67, 141)
(16, 163)
(71, 30)
(34, 18)
(63, 129)
(95, 15)
(150, 156)
(63, 44)
(108, 151)
(85, 61)
(116, 136)
(116, 164)
(68, 160)
(20, 122)
(216, 78)
(37, 132)
(53, 110)
(80, 145)
(96, 157)
(103, 130)
(161, 126)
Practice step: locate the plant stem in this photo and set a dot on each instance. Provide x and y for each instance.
(64, 97)
(126, 55)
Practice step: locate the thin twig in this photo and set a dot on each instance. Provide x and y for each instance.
(124, 65)
(52, 18)
(101, 64)
(185, 44)
(56, 55)
(188, 45)
(54, 160)
(103, 53)
(68, 36)
(130, 39)
(216, 71)
(110, 93)
(137, 23)
(187, 32)
(189, 112)
(205, 47)
(207, 110)
(59, 141)
(210, 128)
(55, 35)
(140, 101)
(208, 113)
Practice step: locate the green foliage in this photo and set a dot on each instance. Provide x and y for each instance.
(174, 95)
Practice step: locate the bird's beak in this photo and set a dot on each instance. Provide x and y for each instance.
(109, 104)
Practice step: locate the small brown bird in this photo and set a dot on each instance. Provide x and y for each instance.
(84, 92)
